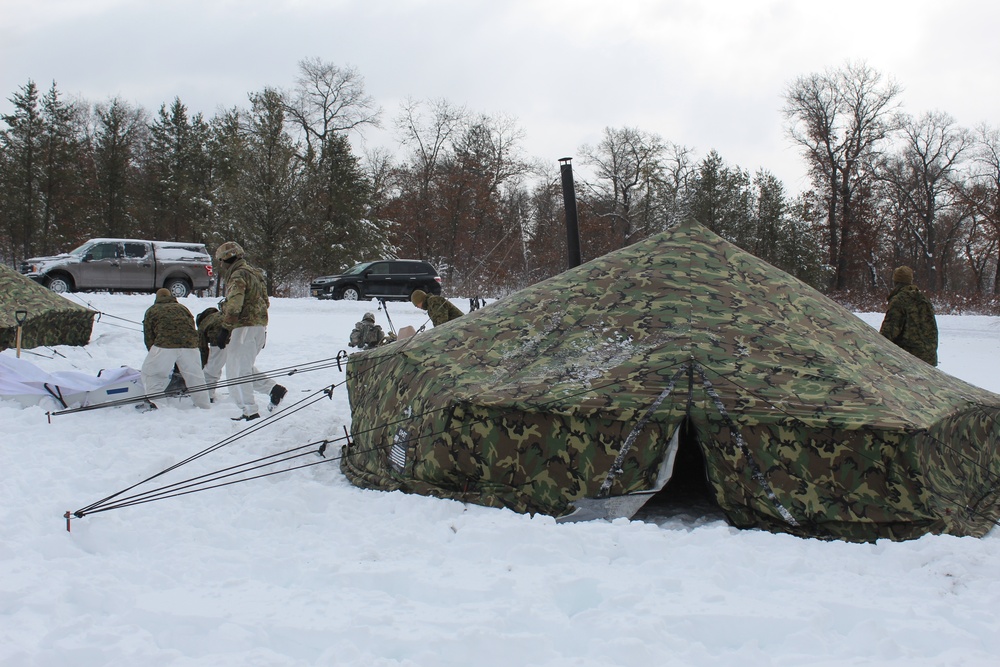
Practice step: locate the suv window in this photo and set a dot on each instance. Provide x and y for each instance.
(356, 269)
(415, 267)
(383, 269)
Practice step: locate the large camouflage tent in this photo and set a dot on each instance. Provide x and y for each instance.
(49, 319)
(578, 394)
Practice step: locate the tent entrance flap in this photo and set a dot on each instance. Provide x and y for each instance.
(617, 507)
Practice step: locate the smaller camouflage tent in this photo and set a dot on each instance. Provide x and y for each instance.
(574, 392)
(50, 319)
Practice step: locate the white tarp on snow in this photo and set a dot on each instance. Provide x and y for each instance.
(23, 381)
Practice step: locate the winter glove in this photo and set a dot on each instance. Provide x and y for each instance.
(223, 338)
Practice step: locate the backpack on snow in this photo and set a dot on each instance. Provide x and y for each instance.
(366, 335)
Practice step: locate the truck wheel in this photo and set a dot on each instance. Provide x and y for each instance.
(178, 287)
(60, 284)
(350, 294)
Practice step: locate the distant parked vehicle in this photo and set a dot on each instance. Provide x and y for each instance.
(389, 279)
(125, 265)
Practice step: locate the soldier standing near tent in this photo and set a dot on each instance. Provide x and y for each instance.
(439, 308)
(170, 337)
(213, 357)
(243, 330)
(909, 320)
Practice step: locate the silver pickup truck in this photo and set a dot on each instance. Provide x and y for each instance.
(125, 265)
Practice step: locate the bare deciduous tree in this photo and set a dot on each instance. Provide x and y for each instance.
(629, 172)
(327, 103)
(429, 135)
(921, 177)
(988, 173)
(840, 119)
(328, 100)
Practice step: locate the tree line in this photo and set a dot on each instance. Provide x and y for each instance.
(280, 176)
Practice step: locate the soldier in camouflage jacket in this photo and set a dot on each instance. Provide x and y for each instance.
(366, 333)
(171, 338)
(909, 320)
(244, 318)
(438, 308)
(213, 357)
(246, 301)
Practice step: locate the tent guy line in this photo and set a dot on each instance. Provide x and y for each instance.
(205, 482)
(308, 367)
(184, 487)
(306, 402)
(100, 313)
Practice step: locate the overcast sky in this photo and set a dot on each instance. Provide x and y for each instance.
(702, 73)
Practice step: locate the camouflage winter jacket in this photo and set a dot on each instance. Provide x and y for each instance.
(209, 325)
(366, 335)
(909, 323)
(169, 324)
(246, 301)
(441, 310)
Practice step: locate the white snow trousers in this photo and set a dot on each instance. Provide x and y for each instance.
(159, 364)
(217, 363)
(213, 369)
(241, 353)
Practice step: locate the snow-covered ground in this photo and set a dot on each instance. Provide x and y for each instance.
(302, 568)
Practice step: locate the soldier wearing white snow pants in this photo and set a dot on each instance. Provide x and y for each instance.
(171, 338)
(244, 319)
(218, 361)
(244, 345)
(214, 358)
(213, 368)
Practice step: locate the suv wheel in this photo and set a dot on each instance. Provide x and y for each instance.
(350, 294)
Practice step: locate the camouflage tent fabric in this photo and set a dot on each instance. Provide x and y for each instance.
(50, 319)
(808, 420)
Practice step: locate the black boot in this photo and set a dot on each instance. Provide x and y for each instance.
(277, 393)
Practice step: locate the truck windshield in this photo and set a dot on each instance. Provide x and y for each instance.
(81, 251)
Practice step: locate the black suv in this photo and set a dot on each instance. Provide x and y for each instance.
(389, 279)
